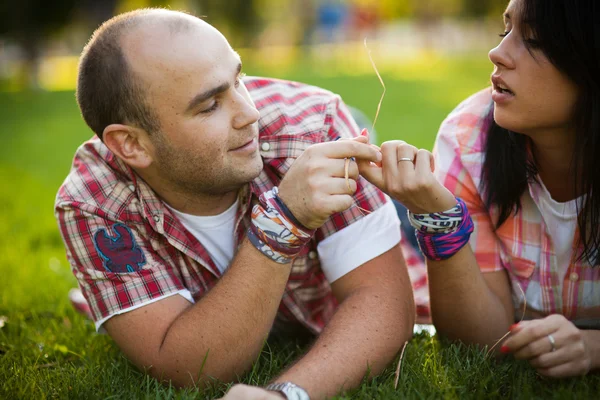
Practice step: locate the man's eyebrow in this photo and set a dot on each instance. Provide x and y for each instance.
(202, 97)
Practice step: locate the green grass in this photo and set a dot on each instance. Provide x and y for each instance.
(49, 351)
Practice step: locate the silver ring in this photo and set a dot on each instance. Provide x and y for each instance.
(405, 159)
(552, 343)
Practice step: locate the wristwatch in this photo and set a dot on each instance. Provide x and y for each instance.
(289, 390)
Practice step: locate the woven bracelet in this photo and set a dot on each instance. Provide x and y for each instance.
(442, 235)
(274, 230)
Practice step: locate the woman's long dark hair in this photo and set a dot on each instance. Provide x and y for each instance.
(568, 33)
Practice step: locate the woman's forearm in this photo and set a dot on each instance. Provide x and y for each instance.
(467, 305)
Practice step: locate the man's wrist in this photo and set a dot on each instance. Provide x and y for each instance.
(274, 231)
(288, 390)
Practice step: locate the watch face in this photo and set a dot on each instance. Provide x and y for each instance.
(294, 392)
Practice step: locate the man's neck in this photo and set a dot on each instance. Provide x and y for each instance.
(553, 155)
(188, 202)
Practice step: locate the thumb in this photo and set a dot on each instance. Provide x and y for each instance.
(371, 172)
(360, 139)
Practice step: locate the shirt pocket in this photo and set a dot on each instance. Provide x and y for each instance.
(521, 271)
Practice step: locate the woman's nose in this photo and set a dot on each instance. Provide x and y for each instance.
(500, 55)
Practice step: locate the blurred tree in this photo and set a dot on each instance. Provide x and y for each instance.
(30, 23)
(483, 8)
(237, 19)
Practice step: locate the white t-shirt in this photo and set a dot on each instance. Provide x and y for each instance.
(339, 253)
(215, 232)
(561, 222)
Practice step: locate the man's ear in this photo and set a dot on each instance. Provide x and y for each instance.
(128, 143)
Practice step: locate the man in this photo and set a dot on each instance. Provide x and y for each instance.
(187, 252)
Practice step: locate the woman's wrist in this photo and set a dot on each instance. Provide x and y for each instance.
(440, 199)
(592, 342)
(441, 235)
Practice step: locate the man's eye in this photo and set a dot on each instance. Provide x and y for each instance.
(239, 79)
(211, 109)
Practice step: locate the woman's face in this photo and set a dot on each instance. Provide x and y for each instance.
(531, 96)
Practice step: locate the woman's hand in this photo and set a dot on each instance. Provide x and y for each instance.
(406, 174)
(554, 346)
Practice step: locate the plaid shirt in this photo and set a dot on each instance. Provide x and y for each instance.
(522, 246)
(127, 249)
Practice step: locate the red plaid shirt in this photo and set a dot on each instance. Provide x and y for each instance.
(102, 192)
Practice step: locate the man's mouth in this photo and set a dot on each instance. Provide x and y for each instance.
(251, 143)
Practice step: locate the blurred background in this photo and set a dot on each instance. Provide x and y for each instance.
(432, 54)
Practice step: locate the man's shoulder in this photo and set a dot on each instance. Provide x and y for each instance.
(97, 180)
(291, 108)
(269, 91)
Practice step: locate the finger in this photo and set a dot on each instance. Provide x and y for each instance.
(351, 148)
(361, 139)
(390, 160)
(524, 334)
(342, 186)
(574, 368)
(534, 349)
(372, 173)
(423, 162)
(339, 202)
(564, 355)
(406, 151)
(337, 168)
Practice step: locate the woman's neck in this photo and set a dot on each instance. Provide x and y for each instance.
(553, 158)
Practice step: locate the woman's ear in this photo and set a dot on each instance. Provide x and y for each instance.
(128, 143)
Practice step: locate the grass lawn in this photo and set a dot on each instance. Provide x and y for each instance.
(49, 351)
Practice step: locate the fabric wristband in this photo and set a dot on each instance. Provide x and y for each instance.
(442, 235)
(275, 231)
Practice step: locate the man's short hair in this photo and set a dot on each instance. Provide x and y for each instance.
(107, 90)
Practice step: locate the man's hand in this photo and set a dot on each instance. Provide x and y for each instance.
(406, 174)
(245, 392)
(315, 186)
(571, 355)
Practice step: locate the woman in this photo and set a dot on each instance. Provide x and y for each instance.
(516, 173)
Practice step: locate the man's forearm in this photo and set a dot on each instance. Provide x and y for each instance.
(363, 337)
(224, 332)
(462, 304)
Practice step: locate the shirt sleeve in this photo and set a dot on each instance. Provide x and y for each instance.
(114, 263)
(339, 124)
(459, 156)
(362, 241)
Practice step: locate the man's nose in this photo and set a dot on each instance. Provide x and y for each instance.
(246, 114)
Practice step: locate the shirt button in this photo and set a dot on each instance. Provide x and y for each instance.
(265, 146)
(156, 218)
(132, 188)
(574, 277)
(312, 255)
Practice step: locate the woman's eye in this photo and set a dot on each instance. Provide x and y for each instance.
(532, 43)
(211, 109)
(504, 34)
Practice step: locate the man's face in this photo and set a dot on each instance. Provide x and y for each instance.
(208, 141)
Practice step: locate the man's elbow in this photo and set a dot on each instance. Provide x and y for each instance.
(181, 376)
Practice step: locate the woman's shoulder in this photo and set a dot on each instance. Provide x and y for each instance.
(466, 127)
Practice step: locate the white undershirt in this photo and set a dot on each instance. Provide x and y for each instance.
(561, 222)
(215, 232)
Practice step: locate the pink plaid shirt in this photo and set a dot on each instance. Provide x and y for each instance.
(126, 248)
(522, 245)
